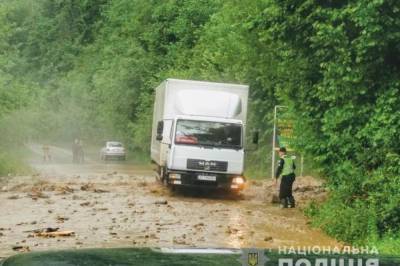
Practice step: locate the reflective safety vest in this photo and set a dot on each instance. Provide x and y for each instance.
(288, 165)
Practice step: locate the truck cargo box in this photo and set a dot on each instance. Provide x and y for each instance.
(175, 97)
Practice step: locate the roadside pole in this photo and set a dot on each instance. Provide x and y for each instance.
(274, 140)
(273, 144)
(302, 165)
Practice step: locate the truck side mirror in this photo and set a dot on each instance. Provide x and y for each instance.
(255, 137)
(160, 129)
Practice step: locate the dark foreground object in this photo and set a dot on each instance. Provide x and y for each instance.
(146, 256)
(118, 256)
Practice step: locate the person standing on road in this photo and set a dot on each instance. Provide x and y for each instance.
(81, 154)
(75, 151)
(46, 153)
(285, 168)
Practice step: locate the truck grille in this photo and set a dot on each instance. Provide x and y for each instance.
(196, 164)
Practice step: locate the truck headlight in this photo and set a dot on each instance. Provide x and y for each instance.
(175, 176)
(238, 180)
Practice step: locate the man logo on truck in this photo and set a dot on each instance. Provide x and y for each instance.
(207, 165)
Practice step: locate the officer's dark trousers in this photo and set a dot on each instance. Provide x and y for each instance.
(285, 191)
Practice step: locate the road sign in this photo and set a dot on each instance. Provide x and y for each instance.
(283, 134)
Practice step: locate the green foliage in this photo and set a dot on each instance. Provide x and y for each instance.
(389, 244)
(12, 164)
(340, 75)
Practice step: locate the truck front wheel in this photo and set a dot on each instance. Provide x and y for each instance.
(235, 193)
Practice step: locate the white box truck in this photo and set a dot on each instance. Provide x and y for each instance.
(198, 133)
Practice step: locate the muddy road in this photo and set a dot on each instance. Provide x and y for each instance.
(118, 204)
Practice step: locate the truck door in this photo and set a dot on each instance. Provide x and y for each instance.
(166, 141)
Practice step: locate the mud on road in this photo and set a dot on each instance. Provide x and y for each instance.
(122, 205)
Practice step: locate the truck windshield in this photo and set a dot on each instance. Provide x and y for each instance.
(206, 133)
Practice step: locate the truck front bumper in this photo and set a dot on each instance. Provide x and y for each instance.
(199, 179)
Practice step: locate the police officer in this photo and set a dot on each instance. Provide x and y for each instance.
(285, 168)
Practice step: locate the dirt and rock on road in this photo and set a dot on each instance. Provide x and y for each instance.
(118, 204)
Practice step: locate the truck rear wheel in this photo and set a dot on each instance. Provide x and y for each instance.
(163, 176)
(165, 182)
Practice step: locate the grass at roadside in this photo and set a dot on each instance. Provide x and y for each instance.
(387, 244)
(319, 213)
(12, 161)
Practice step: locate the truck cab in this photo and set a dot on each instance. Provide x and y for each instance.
(202, 151)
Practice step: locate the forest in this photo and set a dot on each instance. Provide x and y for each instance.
(88, 68)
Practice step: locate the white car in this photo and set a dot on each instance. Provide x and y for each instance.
(113, 150)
